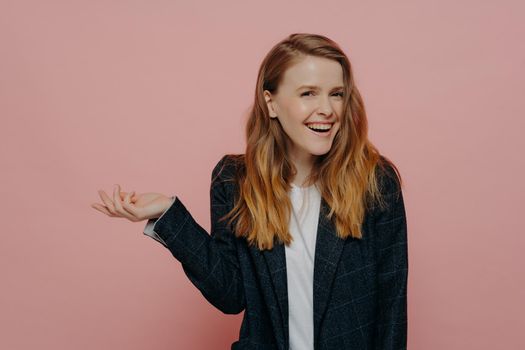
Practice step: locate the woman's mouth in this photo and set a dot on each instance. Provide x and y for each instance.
(320, 129)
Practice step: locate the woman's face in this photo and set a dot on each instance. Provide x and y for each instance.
(310, 95)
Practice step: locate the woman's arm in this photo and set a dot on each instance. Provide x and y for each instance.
(391, 228)
(209, 261)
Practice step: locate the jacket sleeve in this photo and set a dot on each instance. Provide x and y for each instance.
(391, 227)
(209, 261)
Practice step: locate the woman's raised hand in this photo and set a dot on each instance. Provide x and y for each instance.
(132, 206)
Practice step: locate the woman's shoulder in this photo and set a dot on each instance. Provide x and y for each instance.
(228, 167)
(388, 176)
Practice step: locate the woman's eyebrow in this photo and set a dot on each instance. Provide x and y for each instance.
(313, 87)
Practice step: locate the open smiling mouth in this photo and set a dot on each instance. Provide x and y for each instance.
(320, 128)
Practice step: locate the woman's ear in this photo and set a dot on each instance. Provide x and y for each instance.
(269, 103)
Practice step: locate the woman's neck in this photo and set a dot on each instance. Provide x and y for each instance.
(303, 167)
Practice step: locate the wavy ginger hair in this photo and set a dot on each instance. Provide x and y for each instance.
(345, 176)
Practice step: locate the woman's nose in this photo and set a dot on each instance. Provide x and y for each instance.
(325, 106)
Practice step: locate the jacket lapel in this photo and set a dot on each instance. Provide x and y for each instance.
(328, 249)
(276, 263)
(327, 253)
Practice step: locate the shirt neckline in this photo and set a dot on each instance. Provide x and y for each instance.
(295, 187)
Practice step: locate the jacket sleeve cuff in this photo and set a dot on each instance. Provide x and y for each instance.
(149, 229)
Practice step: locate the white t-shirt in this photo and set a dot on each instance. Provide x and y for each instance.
(300, 255)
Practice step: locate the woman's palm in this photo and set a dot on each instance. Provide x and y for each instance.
(134, 207)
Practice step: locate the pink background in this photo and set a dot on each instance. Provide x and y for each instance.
(150, 95)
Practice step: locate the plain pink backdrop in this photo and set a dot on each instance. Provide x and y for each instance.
(150, 95)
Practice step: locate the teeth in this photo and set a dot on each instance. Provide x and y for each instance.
(319, 126)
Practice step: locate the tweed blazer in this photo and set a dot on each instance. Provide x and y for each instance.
(360, 285)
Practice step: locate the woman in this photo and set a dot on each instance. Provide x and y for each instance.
(308, 227)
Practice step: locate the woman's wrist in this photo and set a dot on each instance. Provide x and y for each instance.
(169, 202)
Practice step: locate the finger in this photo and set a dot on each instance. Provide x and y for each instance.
(116, 198)
(129, 207)
(107, 202)
(118, 204)
(123, 194)
(101, 209)
(133, 196)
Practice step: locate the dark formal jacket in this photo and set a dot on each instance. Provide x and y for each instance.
(360, 285)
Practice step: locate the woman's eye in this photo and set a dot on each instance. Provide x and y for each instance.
(307, 93)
